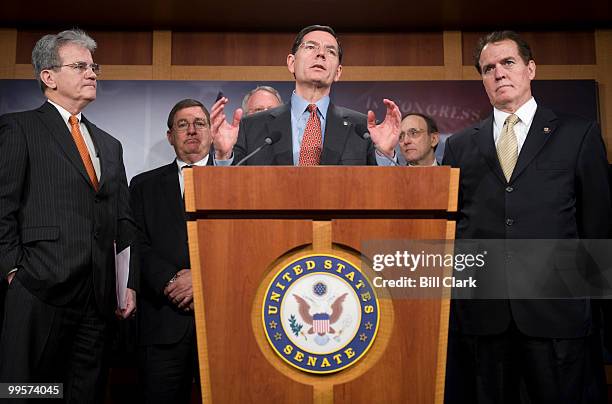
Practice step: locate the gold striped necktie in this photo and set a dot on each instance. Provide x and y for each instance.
(507, 146)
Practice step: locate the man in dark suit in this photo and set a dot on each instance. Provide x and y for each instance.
(311, 129)
(64, 202)
(168, 355)
(526, 173)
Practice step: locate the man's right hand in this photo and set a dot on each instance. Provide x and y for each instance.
(10, 277)
(223, 133)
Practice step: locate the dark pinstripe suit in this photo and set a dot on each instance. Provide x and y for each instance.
(58, 231)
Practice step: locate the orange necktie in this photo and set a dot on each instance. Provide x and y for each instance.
(310, 151)
(75, 129)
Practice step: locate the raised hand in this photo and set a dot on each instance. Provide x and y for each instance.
(386, 134)
(224, 134)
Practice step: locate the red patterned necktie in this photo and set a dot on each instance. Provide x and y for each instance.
(82, 147)
(310, 151)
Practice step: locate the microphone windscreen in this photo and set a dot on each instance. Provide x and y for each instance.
(362, 131)
(274, 136)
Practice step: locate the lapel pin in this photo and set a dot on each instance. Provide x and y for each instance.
(345, 123)
(546, 130)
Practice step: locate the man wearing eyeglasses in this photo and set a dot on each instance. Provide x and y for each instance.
(418, 139)
(167, 352)
(64, 204)
(313, 131)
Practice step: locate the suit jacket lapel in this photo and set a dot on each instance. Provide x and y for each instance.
(59, 131)
(486, 145)
(541, 130)
(280, 120)
(336, 132)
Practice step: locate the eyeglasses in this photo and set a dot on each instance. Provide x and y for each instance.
(314, 47)
(82, 67)
(183, 125)
(411, 133)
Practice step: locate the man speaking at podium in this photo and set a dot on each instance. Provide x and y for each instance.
(310, 130)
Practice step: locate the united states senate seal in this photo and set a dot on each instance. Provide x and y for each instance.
(320, 313)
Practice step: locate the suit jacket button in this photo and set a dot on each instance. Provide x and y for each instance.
(509, 222)
(509, 189)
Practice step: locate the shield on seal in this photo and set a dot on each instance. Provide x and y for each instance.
(320, 323)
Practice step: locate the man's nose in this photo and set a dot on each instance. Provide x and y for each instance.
(499, 72)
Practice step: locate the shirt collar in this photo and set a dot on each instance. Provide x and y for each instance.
(63, 112)
(181, 164)
(299, 105)
(525, 113)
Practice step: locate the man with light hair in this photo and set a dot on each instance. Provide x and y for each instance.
(64, 205)
(261, 98)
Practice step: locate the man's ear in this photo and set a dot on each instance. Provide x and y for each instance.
(291, 63)
(47, 76)
(531, 66)
(435, 138)
(169, 137)
(338, 73)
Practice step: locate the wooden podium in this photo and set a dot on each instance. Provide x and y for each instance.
(246, 221)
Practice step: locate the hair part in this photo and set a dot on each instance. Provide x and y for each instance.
(325, 28)
(45, 54)
(268, 89)
(186, 103)
(432, 126)
(524, 49)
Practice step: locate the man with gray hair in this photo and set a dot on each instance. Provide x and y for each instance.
(64, 206)
(261, 98)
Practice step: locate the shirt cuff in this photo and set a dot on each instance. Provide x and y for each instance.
(227, 162)
(383, 160)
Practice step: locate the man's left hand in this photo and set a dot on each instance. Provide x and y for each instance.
(386, 134)
(180, 292)
(130, 305)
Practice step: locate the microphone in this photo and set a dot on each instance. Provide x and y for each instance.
(362, 131)
(269, 140)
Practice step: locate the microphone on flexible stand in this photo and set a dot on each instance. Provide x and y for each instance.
(269, 140)
(362, 131)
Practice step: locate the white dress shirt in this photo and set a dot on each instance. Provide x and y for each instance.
(181, 164)
(95, 159)
(521, 128)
